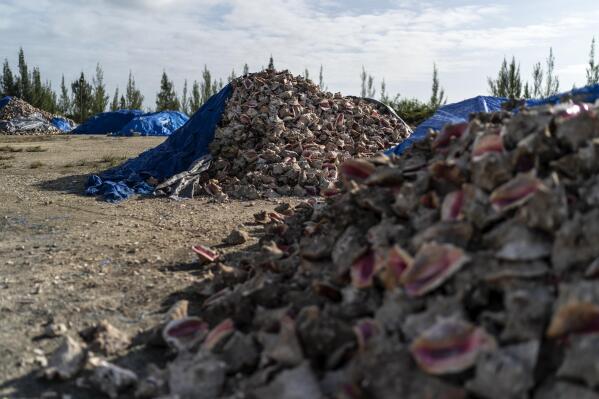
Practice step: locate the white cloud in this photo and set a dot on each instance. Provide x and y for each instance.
(399, 41)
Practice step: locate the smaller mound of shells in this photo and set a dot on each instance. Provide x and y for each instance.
(21, 111)
(282, 135)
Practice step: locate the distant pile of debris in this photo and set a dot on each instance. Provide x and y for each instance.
(466, 268)
(21, 118)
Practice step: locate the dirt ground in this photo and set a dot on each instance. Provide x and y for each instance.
(68, 258)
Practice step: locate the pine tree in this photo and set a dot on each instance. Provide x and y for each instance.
(384, 97)
(367, 84)
(246, 69)
(133, 97)
(24, 80)
(114, 105)
(185, 100)
(8, 85)
(207, 88)
(438, 93)
(271, 63)
(82, 98)
(526, 93)
(64, 104)
(537, 80)
(37, 90)
(232, 76)
(123, 102)
(508, 83)
(195, 101)
(551, 80)
(100, 97)
(306, 74)
(166, 99)
(321, 79)
(593, 69)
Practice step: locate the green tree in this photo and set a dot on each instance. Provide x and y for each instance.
(122, 102)
(82, 98)
(306, 74)
(133, 97)
(321, 79)
(100, 97)
(384, 96)
(508, 83)
(166, 99)
(24, 80)
(195, 101)
(8, 85)
(438, 93)
(185, 100)
(593, 68)
(271, 63)
(232, 76)
(246, 69)
(526, 92)
(64, 104)
(551, 80)
(208, 87)
(411, 110)
(367, 84)
(537, 80)
(37, 89)
(114, 105)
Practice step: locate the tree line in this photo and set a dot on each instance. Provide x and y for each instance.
(83, 97)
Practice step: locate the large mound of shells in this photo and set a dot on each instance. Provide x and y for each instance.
(467, 268)
(282, 135)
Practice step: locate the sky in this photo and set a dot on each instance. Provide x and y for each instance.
(394, 40)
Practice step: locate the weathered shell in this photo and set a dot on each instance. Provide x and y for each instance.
(515, 192)
(397, 261)
(453, 203)
(204, 253)
(574, 318)
(363, 270)
(218, 334)
(450, 346)
(184, 334)
(365, 331)
(434, 264)
(487, 144)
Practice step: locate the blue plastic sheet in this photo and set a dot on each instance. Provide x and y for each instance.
(451, 113)
(4, 100)
(587, 94)
(154, 124)
(173, 156)
(62, 124)
(107, 122)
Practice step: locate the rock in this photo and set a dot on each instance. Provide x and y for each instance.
(237, 237)
(67, 360)
(112, 379)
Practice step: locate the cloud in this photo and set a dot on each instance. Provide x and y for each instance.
(398, 40)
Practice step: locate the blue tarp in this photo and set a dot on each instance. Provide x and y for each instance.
(62, 124)
(451, 113)
(154, 124)
(5, 100)
(173, 156)
(459, 112)
(107, 122)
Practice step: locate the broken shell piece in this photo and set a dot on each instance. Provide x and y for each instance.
(362, 270)
(515, 192)
(450, 346)
(184, 334)
(106, 339)
(356, 169)
(451, 209)
(286, 350)
(449, 133)
(365, 331)
(112, 379)
(66, 361)
(574, 318)
(486, 144)
(218, 334)
(204, 253)
(434, 263)
(397, 262)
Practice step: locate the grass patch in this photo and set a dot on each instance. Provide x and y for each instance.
(9, 148)
(37, 148)
(6, 157)
(112, 159)
(106, 160)
(35, 165)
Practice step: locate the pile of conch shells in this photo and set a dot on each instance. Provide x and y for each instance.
(282, 135)
(466, 268)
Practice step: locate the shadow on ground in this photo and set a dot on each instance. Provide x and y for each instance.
(72, 184)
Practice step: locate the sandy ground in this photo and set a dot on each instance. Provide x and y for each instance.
(68, 258)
